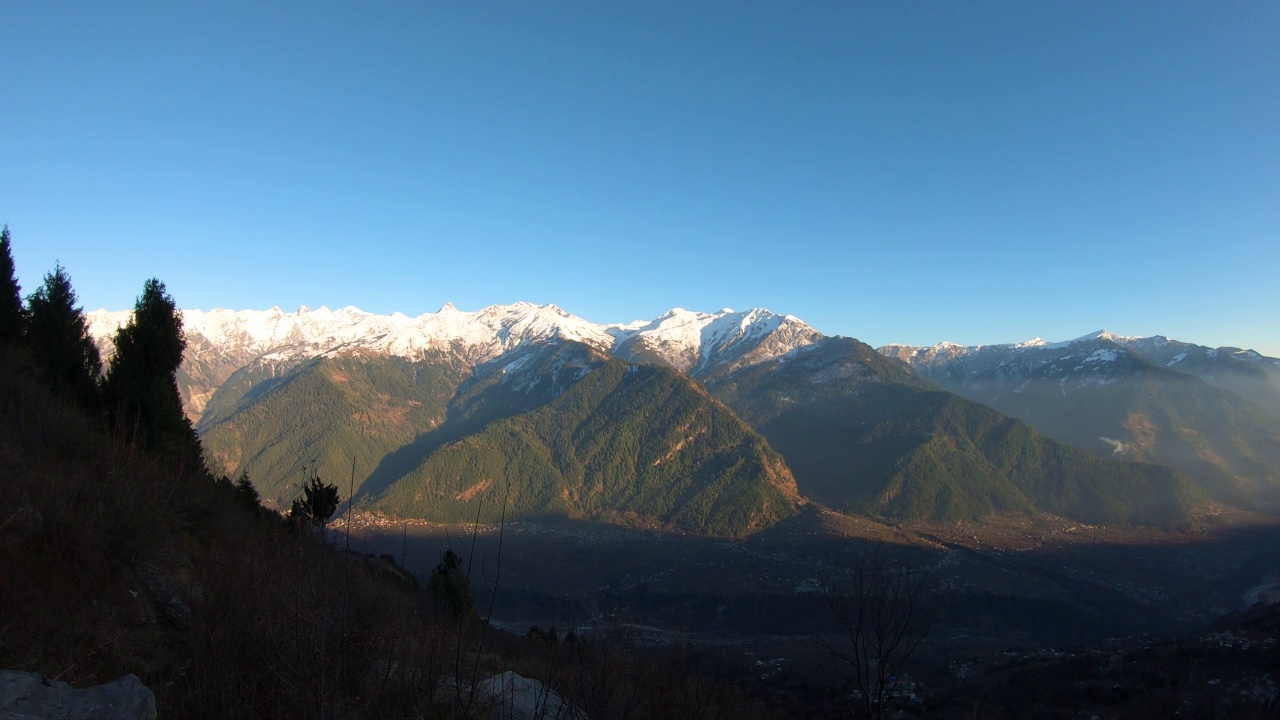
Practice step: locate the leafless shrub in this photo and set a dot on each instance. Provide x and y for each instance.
(884, 612)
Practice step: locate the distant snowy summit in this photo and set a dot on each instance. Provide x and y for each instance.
(694, 342)
(1099, 358)
(1157, 348)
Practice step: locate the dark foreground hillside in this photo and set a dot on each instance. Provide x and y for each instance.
(114, 562)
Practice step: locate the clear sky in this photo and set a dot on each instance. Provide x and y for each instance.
(898, 172)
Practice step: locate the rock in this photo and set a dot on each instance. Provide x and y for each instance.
(29, 696)
(510, 696)
(172, 608)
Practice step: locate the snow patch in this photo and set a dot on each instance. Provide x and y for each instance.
(1104, 355)
(517, 364)
(1117, 447)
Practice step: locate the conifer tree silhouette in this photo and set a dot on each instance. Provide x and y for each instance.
(141, 387)
(60, 343)
(318, 503)
(12, 318)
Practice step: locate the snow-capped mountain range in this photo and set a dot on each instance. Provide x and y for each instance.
(680, 338)
(694, 342)
(698, 343)
(219, 342)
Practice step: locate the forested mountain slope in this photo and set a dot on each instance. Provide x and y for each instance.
(865, 434)
(625, 441)
(1114, 402)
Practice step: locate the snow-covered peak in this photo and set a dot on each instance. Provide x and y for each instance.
(489, 332)
(104, 323)
(1104, 335)
(697, 341)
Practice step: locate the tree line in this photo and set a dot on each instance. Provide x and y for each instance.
(136, 395)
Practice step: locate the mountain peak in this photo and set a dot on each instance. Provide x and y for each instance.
(699, 342)
(1103, 335)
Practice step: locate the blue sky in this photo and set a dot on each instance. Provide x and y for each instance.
(898, 172)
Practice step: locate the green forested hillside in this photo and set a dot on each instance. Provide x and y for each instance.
(864, 434)
(624, 441)
(241, 388)
(327, 414)
(569, 431)
(1226, 443)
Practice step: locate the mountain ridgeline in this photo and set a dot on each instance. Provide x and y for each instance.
(715, 423)
(1112, 397)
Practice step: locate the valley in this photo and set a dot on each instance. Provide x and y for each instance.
(1014, 593)
(573, 569)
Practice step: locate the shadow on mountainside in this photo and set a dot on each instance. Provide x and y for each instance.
(477, 402)
(996, 592)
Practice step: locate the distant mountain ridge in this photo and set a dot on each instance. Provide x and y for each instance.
(1211, 412)
(1246, 372)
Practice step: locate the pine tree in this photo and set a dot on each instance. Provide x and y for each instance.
(318, 503)
(11, 316)
(141, 386)
(60, 343)
(450, 587)
(246, 493)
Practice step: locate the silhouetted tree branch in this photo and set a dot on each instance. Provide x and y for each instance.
(884, 611)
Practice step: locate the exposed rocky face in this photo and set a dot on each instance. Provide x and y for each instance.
(31, 696)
